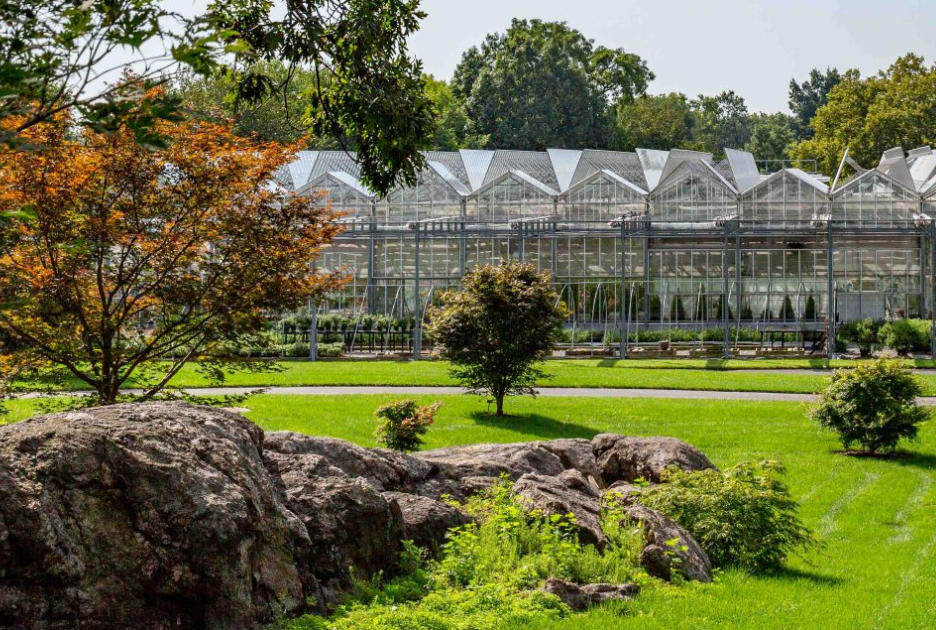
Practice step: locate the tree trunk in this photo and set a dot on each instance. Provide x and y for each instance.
(500, 406)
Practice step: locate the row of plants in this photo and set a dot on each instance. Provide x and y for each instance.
(337, 322)
(675, 335)
(903, 336)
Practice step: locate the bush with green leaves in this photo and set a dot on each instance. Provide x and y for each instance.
(510, 543)
(865, 335)
(495, 331)
(873, 406)
(906, 335)
(403, 422)
(742, 517)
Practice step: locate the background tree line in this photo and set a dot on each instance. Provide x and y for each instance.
(544, 84)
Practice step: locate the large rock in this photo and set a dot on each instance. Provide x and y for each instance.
(567, 493)
(385, 470)
(666, 542)
(427, 521)
(621, 458)
(352, 529)
(490, 461)
(143, 516)
(580, 597)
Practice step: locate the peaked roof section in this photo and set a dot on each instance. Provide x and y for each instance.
(564, 163)
(296, 174)
(538, 165)
(476, 164)
(626, 165)
(853, 183)
(453, 162)
(894, 164)
(343, 178)
(521, 176)
(333, 161)
(789, 172)
(694, 165)
(743, 169)
(623, 181)
(449, 178)
(922, 170)
(653, 162)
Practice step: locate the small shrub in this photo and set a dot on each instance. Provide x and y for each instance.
(330, 350)
(741, 517)
(906, 335)
(865, 335)
(872, 405)
(403, 422)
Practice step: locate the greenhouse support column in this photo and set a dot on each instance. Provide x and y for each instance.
(624, 303)
(417, 321)
(932, 287)
(371, 295)
(832, 307)
(313, 331)
(646, 277)
(726, 334)
(737, 274)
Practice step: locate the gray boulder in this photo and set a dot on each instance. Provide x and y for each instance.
(622, 458)
(567, 493)
(580, 597)
(350, 526)
(661, 558)
(385, 470)
(427, 521)
(143, 516)
(514, 460)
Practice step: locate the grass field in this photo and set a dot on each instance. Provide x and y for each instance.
(760, 375)
(763, 375)
(877, 518)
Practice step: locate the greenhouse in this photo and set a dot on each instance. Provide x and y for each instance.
(641, 246)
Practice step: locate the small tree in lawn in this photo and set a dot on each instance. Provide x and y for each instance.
(872, 405)
(504, 321)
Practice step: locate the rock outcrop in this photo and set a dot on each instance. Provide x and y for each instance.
(623, 458)
(143, 516)
(427, 521)
(167, 515)
(580, 597)
(669, 548)
(567, 493)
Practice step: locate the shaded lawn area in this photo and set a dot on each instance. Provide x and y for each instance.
(876, 517)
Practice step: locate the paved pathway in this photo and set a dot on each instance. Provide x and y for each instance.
(545, 392)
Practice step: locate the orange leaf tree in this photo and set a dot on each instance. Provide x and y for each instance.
(117, 261)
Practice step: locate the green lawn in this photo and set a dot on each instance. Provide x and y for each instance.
(643, 374)
(876, 517)
(763, 375)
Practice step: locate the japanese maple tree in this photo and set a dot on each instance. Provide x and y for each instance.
(120, 264)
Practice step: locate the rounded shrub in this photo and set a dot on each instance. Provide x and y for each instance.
(403, 422)
(873, 406)
(742, 517)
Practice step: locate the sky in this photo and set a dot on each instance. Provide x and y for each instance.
(704, 46)
(696, 46)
